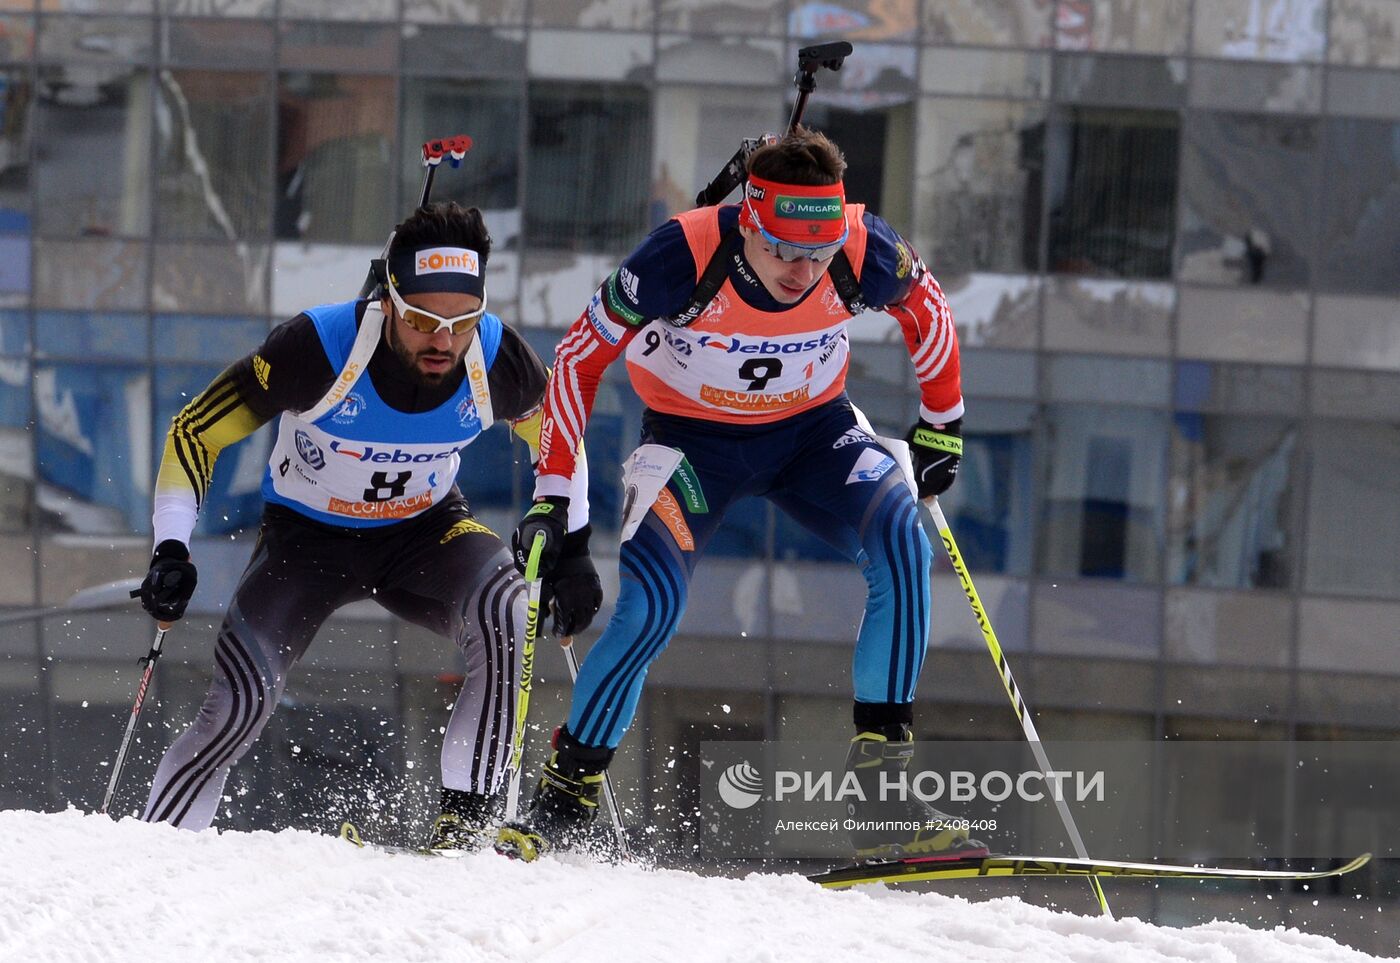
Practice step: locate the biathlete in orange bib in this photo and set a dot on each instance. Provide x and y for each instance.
(734, 323)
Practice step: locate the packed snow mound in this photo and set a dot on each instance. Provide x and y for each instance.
(82, 887)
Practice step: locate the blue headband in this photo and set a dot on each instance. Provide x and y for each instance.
(455, 270)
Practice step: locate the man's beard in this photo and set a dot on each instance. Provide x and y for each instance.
(410, 360)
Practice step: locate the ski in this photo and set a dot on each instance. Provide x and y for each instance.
(351, 834)
(935, 867)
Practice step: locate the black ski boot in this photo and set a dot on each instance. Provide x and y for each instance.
(896, 827)
(565, 802)
(467, 822)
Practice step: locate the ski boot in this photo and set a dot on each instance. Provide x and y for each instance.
(565, 802)
(466, 824)
(911, 826)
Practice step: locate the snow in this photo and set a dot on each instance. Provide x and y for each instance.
(77, 887)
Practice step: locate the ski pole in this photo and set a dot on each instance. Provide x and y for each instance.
(527, 671)
(150, 663)
(1013, 691)
(614, 810)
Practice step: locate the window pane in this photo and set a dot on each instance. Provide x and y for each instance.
(977, 206)
(63, 334)
(1361, 206)
(16, 101)
(463, 52)
(1336, 635)
(1124, 381)
(1248, 201)
(304, 275)
(1125, 81)
(90, 274)
(992, 73)
(1353, 469)
(722, 60)
(1273, 88)
(1357, 333)
(1291, 30)
(988, 23)
(1365, 33)
(744, 17)
(17, 503)
(317, 45)
(859, 21)
(590, 56)
(15, 270)
(86, 114)
(1006, 601)
(465, 11)
(14, 332)
(590, 146)
(1111, 185)
(213, 339)
(1149, 26)
(998, 374)
(1111, 317)
(340, 9)
(491, 114)
(1238, 388)
(231, 44)
(1102, 511)
(219, 278)
(214, 155)
(16, 38)
(697, 131)
(1235, 501)
(335, 138)
(219, 8)
(1363, 93)
(1246, 325)
(1229, 628)
(993, 310)
(876, 140)
(991, 507)
(90, 40)
(556, 285)
(1113, 621)
(1356, 394)
(97, 469)
(619, 15)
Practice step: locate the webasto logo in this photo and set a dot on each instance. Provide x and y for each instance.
(738, 346)
(396, 457)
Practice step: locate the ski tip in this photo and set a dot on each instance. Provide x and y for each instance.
(517, 843)
(351, 834)
(1354, 865)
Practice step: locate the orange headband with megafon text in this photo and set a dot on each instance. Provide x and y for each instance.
(800, 213)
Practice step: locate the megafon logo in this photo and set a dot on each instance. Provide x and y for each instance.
(740, 786)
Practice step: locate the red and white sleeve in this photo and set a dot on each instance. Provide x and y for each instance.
(927, 323)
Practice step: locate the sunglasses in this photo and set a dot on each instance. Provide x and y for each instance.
(427, 322)
(791, 250)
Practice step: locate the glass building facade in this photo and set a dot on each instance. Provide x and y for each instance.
(1169, 232)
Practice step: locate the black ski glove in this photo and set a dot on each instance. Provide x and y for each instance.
(936, 450)
(551, 516)
(169, 583)
(572, 587)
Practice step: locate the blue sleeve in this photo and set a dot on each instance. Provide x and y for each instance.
(888, 271)
(655, 281)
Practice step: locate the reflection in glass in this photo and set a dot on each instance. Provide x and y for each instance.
(334, 139)
(1122, 381)
(106, 275)
(1291, 30)
(1146, 26)
(1365, 395)
(1111, 186)
(1271, 88)
(1354, 468)
(86, 113)
(741, 17)
(1238, 388)
(617, 15)
(1357, 333)
(214, 155)
(1111, 317)
(465, 11)
(16, 450)
(1363, 93)
(991, 507)
(1361, 206)
(64, 334)
(589, 148)
(994, 310)
(110, 40)
(998, 23)
(591, 56)
(1228, 628)
(1102, 510)
(1365, 33)
(440, 51)
(491, 113)
(697, 131)
(1347, 635)
(15, 270)
(219, 278)
(991, 73)
(321, 45)
(206, 338)
(339, 9)
(721, 60)
(1247, 197)
(1243, 325)
(1234, 501)
(977, 206)
(16, 124)
(999, 374)
(876, 139)
(219, 8)
(304, 275)
(1117, 80)
(230, 44)
(859, 21)
(556, 285)
(1114, 621)
(95, 471)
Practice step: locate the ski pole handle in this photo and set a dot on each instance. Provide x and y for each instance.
(146, 675)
